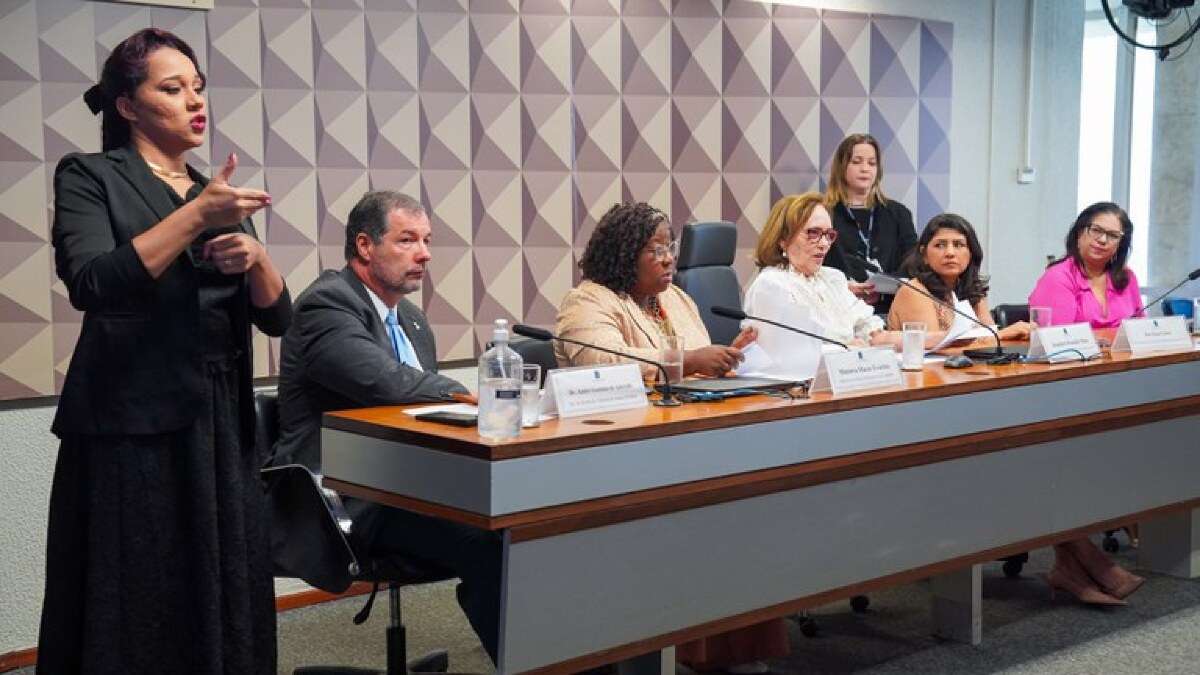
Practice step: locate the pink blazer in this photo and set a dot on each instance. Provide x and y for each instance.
(1064, 289)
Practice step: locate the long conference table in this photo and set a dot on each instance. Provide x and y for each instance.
(628, 532)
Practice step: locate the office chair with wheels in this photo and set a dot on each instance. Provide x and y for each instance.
(1177, 307)
(1006, 315)
(311, 539)
(705, 272)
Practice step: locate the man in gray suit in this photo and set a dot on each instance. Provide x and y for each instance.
(355, 341)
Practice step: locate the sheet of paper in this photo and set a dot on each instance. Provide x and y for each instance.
(464, 408)
(781, 353)
(962, 328)
(883, 284)
(755, 361)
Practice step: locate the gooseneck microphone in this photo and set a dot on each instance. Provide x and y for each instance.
(739, 315)
(1191, 277)
(668, 399)
(992, 356)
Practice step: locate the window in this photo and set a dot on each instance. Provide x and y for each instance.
(1141, 144)
(1116, 121)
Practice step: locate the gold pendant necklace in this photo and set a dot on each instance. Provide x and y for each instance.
(166, 173)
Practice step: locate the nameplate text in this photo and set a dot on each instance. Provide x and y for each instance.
(1071, 342)
(571, 392)
(1153, 334)
(858, 369)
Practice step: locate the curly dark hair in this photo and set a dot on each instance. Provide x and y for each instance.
(972, 286)
(611, 255)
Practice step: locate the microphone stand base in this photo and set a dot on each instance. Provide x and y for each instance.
(993, 358)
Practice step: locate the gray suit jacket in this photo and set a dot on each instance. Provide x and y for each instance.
(337, 355)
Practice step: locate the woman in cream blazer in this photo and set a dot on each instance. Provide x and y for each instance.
(627, 303)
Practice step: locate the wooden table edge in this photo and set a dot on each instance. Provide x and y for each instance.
(609, 510)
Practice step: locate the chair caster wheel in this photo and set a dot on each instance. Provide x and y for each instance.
(859, 603)
(1012, 569)
(1111, 544)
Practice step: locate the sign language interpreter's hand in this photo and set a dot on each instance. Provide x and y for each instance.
(234, 253)
(221, 204)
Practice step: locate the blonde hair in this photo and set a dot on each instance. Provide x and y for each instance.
(788, 215)
(836, 192)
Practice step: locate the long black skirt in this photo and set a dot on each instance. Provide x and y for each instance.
(158, 553)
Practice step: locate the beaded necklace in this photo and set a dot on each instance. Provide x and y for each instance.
(653, 309)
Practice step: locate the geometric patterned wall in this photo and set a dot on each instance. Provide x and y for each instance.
(517, 123)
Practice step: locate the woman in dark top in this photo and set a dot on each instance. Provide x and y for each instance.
(875, 234)
(158, 553)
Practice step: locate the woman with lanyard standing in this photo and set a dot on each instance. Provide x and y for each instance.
(875, 233)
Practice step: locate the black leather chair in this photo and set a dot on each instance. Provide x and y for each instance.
(312, 539)
(1006, 315)
(540, 352)
(705, 272)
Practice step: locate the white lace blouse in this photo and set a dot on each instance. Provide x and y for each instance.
(837, 312)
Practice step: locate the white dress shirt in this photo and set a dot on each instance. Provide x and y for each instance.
(835, 312)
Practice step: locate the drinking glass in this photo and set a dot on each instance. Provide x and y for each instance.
(671, 356)
(1039, 316)
(912, 345)
(1195, 316)
(531, 394)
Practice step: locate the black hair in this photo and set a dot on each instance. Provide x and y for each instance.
(1117, 271)
(611, 256)
(971, 285)
(124, 71)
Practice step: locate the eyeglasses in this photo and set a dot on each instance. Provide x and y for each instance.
(814, 234)
(661, 252)
(1104, 236)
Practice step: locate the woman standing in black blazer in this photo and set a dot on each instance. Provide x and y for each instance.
(158, 553)
(875, 233)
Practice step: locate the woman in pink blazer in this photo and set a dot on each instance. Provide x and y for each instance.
(1091, 283)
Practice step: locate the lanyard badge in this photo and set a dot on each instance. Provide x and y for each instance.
(865, 237)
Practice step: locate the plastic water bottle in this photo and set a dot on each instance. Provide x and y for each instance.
(500, 387)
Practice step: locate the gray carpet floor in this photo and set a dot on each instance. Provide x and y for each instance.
(1024, 631)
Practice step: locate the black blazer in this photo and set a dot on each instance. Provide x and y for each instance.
(337, 354)
(136, 367)
(892, 237)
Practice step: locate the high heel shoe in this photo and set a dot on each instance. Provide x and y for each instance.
(1068, 575)
(1111, 577)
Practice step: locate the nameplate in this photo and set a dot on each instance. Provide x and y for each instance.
(1072, 342)
(842, 372)
(583, 390)
(1154, 334)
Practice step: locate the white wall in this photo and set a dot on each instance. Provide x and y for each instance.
(1020, 225)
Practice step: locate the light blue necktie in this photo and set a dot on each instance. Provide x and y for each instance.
(400, 344)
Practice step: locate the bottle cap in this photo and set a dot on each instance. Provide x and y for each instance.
(500, 331)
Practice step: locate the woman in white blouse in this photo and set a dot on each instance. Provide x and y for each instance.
(790, 253)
